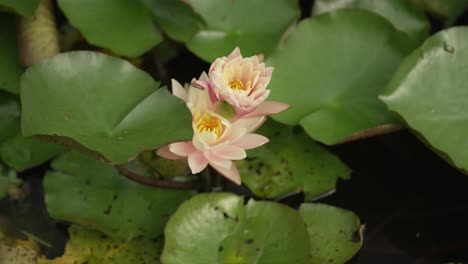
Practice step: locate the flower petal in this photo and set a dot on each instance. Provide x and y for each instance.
(178, 90)
(231, 174)
(230, 152)
(250, 141)
(182, 148)
(250, 124)
(235, 53)
(215, 160)
(197, 162)
(166, 153)
(268, 108)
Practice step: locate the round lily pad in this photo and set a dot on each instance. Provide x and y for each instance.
(321, 71)
(123, 26)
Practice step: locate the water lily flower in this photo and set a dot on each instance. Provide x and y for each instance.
(242, 82)
(216, 140)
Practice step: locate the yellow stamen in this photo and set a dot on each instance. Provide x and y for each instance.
(236, 85)
(210, 123)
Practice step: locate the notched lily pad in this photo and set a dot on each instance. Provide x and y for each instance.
(89, 192)
(104, 103)
(290, 162)
(123, 26)
(90, 247)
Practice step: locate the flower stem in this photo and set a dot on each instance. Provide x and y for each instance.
(155, 182)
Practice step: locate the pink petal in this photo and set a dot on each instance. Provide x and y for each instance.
(250, 123)
(235, 53)
(182, 148)
(250, 141)
(231, 174)
(201, 83)
(230, 152)
(197, 162)
(235, 134)
(215, 160)
(166, 153)
(178, 90)
(268, 108)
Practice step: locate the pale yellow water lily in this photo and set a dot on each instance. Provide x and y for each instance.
(242, 82)
(216, 140)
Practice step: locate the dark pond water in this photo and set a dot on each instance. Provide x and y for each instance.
(414, 204)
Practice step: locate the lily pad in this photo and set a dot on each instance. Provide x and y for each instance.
(219, 228)
(227, 27)
(10, 70)
(335, 234)
(90, 247)
(8, 180)
(290, 162)
(22, 153)
(22, 7)
(429, 92)
(123, 26)
(404, 15)
(321, 72)
(176, 18)
(448, 10)
(104, 103)
(89, 192)
(17, 151)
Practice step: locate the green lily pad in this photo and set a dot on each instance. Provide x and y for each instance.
(448, 10)
(9, 115)
(22, 7)
(10, 70)
(123, 26)
(89, 192)
(429, 92)
(8, 180)
(176, 18)
(321, 72)
(335, 234)
(219, 228)
(22, 153)
(104, 103)
(290, 162)
(17, 151)
(227, 27)
(404, 15)
(90, 247)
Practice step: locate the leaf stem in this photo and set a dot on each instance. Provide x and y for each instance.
(155, 182)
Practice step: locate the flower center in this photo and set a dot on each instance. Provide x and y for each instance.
(210, 123)
(236, 85)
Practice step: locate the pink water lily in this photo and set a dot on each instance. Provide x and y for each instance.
(242, 82)
(216, 140)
